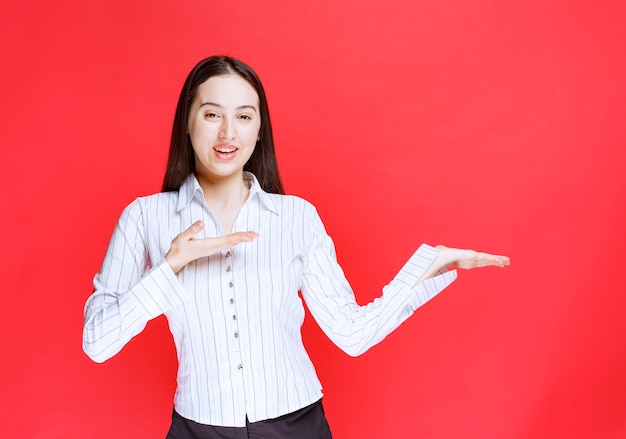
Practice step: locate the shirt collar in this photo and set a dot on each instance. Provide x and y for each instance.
(191, 188)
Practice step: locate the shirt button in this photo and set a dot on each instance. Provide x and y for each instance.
(228, 269)
(230, 284)
(240, 367)
(234, 317)
(232, 301)
(236, 335)
(228, 254)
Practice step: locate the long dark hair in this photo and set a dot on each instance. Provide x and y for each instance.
(181, 161)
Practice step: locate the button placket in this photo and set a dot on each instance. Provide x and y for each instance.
(233, 306)
(229, 277)
(231, 282)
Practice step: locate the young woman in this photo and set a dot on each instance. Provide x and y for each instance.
(223, 253)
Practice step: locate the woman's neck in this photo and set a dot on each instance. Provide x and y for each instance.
(224, 197)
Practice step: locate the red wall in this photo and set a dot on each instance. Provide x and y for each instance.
(492, 125)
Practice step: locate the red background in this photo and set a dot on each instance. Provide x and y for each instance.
(491, 125)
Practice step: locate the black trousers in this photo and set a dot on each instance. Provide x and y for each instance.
(306, 423)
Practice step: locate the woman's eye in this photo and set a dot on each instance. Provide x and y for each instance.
(245, 117)
(211, 115)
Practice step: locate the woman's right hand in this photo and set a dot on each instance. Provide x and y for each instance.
(185, 248)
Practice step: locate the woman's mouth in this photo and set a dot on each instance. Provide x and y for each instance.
(225, 149)
(225, 152)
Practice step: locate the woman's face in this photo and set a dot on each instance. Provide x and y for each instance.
(224, 123)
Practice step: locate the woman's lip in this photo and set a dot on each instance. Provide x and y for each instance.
(225, 152)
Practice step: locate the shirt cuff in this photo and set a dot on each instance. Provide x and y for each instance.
(159, 291)
(426, 290)
(410, 273)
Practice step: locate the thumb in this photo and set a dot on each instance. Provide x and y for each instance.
(193, 230)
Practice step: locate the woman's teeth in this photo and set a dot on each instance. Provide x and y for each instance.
(225, 150)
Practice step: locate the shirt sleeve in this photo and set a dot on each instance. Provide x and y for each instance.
(329, 297)
(128, 291)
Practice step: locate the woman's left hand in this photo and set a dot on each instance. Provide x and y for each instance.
(468, 259)
(449, 257)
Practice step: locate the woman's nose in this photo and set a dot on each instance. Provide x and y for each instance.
(227, 130)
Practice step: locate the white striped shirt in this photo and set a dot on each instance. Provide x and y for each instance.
(236, 316)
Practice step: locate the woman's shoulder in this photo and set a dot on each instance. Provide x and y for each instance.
(159, 197)
(160, 201)
(290, 201)
(294, 207)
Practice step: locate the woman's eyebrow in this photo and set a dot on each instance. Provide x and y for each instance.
(241, 107)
